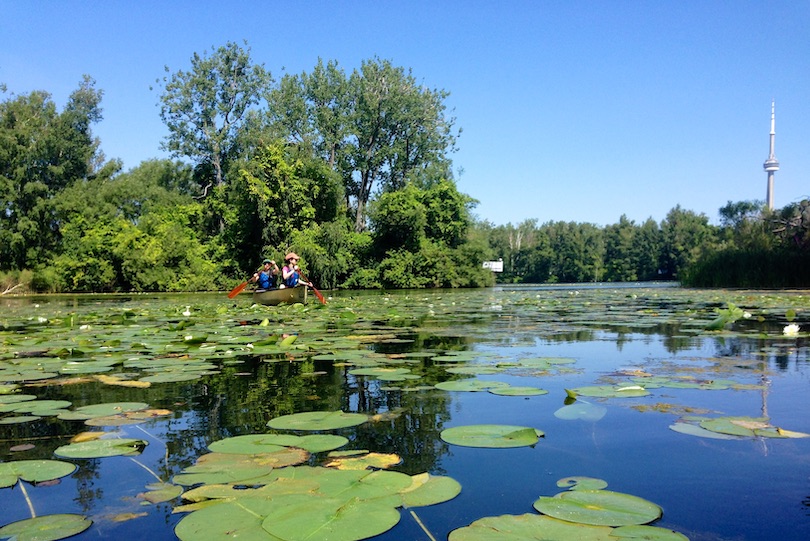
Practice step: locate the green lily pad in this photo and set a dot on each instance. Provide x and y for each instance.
(267, 443)
(608, 391)
(495, 436)
(227, 521)
(582, 483)
(19, 419)
(317, 420)
(518, 391)
(161, 492)
(102, 448)
(104, 410)
(429, 489)
(334, 519)
(471, 385)
(695, 430)
(529, 527)
(45, 528)
(238, 468)
(599, 507)
(647, 533)
(33, 471)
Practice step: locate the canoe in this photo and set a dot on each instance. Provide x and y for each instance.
(272, 297)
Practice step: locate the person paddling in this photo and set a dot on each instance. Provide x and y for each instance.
(290, 277)
(266, 277)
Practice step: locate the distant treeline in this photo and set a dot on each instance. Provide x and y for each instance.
(752, 247)
(350, 170)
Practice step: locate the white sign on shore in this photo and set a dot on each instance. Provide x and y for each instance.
(494, 266)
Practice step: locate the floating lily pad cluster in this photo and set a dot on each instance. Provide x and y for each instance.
(586, 512)
(733, 428)
(253, 486)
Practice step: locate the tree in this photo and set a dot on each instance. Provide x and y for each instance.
(399, 219)
(41, 153)
(397, 128)
(619, 242)
(206, 107)
(281, 190)
(647, 248)
(684, 234)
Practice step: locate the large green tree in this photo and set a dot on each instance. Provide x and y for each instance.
(42, 151)
(207, 107)
(398, 127)
(684, 234)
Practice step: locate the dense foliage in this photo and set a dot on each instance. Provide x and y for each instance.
(350, 170)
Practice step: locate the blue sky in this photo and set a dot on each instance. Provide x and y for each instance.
(571, 110)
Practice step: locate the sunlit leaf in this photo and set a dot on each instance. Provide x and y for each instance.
(598, 507)
(317, 420)
(33, 471)
(45, 528)
(529, 527)
(491, 436)
(370, 460)
(647, 533)
(101, 448)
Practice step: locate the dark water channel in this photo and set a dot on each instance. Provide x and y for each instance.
(746, 488)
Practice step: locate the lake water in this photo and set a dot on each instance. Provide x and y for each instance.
(555, 338)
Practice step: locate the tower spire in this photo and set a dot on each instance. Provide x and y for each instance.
(771, 165)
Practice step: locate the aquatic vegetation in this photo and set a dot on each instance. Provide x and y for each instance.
(226, 404)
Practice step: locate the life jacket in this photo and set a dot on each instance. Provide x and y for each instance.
(292, 280)
(266, 280)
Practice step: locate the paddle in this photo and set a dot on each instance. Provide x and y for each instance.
(238, 289)
(314, 289)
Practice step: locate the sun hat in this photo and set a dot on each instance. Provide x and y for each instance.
(291, 255)
(266, 261)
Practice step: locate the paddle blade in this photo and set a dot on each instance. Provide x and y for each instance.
(237, 290)
(318, 294)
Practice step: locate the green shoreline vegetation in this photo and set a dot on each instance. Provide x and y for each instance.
(353, 171)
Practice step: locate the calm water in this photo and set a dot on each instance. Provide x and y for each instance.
(709, 489)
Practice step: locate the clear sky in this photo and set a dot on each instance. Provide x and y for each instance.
(571, 110)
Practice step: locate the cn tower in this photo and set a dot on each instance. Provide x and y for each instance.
(771, 165)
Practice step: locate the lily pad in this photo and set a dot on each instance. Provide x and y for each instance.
(317, 420)
(367, 461)
(102, 448)
(472, 385)
(582, 483)
(609, 391)
(267, 443)
(33, 471)
(238, 468)
(46, 528)
(599, 507)
(514, 390)
(647, 533)
(334, 519)
(529, 527)
(429, 489)
(495, 436)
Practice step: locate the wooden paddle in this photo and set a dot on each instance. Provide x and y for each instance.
(238, 289)
(314, 289)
